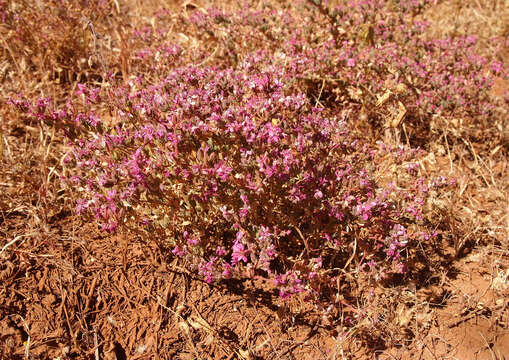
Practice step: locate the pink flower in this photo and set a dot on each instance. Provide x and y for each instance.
(285, 295)
(81, 206)
(206, 269)
(222, 171)
(178, 251)
(239, 253)
(227, 272)
(220, 251)
(318, 194)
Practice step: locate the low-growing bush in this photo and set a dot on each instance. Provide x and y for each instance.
(244, 158)
(242, 178)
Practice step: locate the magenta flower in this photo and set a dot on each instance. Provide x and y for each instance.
(179, 251)
(222, 171)
(227, 271)
(239, 253)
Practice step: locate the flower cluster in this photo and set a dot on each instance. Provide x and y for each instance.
(370, 55)
(240, 175)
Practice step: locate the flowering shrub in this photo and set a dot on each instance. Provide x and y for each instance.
(240, 177)
(368, 56)
(247, 161)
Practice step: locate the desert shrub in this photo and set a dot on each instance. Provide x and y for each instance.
(243, 156)
(240, 177)
(360, 56)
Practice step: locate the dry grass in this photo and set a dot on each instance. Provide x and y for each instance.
(486, 19)
(481, 167)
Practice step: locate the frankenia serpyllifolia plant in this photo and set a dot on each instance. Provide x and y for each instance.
(244, 169)
(362, 54)
(242, 178)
